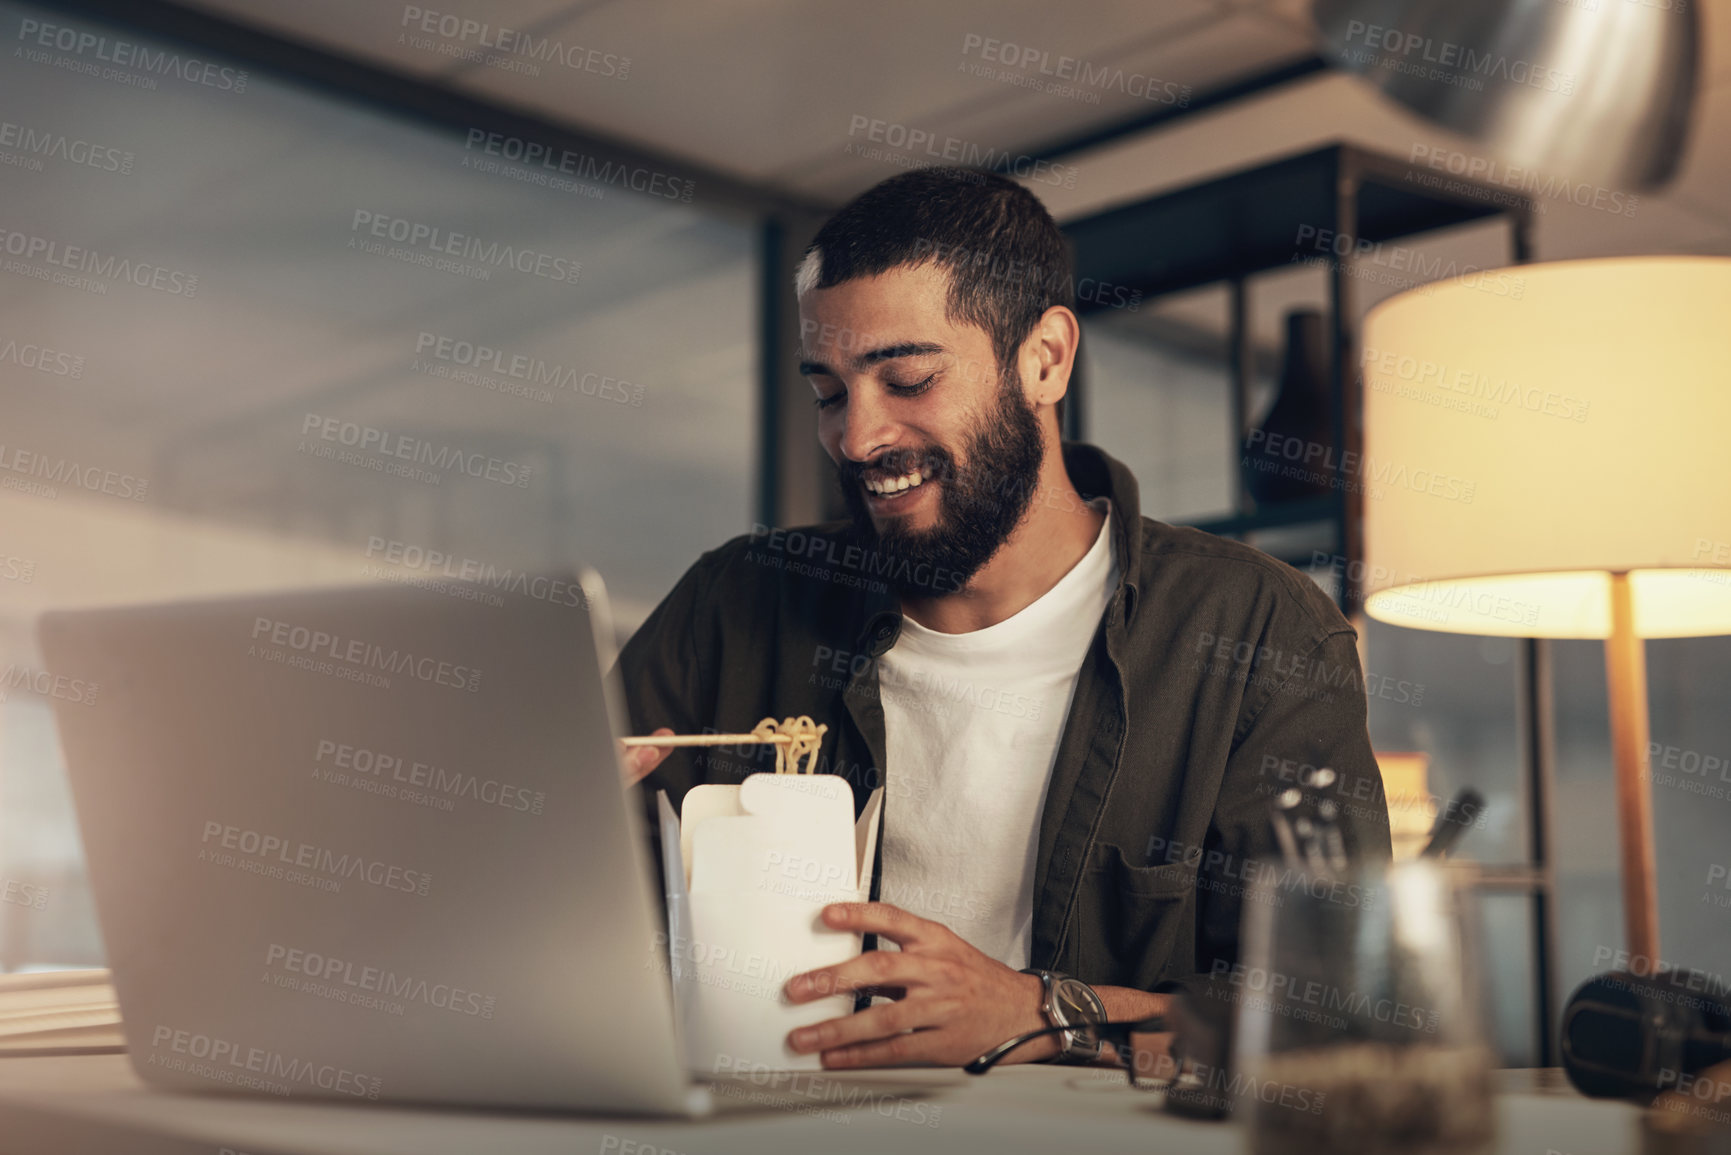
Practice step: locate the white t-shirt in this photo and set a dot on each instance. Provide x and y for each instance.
(972, 723)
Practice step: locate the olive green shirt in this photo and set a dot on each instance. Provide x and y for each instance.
(1217, 678)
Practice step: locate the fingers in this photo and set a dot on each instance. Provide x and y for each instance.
(892, 922)
(868, 1026)
(873, 970)
(895, 1051)
(640, 761)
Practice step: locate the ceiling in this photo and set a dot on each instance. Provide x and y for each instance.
(775, 91)
(809, 97)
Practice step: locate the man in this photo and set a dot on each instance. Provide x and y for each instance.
(1079, 715)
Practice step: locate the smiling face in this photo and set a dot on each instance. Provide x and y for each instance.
(938, 455)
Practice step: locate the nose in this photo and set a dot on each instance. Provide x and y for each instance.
(867, 425)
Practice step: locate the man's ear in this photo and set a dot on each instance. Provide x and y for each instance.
(1053, 344)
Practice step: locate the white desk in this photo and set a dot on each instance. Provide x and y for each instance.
(95, 1106)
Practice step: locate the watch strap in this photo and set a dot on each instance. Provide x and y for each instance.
(1075, 1045)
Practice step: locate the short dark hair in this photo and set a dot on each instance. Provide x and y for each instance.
(1004, 253)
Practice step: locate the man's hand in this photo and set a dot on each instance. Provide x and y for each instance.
(957, 1002)
(640, 760)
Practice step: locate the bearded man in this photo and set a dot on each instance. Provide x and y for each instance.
(1079, 714)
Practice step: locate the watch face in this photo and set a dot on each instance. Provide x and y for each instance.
(1075, 1002)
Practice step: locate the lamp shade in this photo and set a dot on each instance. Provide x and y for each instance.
(1529, 433)
(1597, 90)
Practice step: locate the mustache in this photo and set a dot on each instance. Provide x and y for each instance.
(935, 462)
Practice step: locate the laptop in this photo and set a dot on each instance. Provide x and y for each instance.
(372, 845)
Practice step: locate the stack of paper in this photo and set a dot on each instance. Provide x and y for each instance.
(59, 1013)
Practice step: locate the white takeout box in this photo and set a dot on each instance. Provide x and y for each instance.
(749, 870)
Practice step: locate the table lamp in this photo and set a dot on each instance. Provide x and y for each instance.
(1546, 457)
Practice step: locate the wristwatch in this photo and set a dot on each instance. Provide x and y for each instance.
(1070, 1002)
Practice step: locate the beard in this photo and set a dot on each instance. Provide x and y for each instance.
(981, 500)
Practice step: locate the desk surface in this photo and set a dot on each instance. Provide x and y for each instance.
(95, 1105)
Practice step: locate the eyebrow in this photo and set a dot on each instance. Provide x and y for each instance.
(874, 356)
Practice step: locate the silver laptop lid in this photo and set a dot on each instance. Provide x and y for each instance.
(370, 844)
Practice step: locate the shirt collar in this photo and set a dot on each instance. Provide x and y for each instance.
(1094, 472)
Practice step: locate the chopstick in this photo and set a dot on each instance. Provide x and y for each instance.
(705, 739)
(796, 738)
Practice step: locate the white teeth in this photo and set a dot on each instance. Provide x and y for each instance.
(906, 481)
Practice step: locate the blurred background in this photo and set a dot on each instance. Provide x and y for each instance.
(235, 231)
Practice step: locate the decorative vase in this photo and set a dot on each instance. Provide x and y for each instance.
(1292, 454)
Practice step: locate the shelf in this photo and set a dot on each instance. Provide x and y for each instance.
(1511, 878)
(1269, 216)
(1311, 509)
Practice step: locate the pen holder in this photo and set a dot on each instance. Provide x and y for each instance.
(1359, 1019)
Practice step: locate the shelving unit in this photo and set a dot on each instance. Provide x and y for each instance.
(1229, 230)
(1232, 228)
